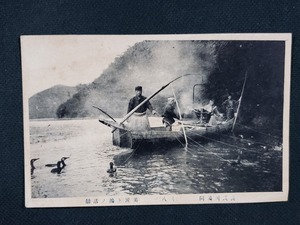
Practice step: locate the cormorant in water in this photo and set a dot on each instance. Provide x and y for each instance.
(60, 165)
(58, 169)
(31, 164)
(111, 168)
(55, 164)
(238, 160)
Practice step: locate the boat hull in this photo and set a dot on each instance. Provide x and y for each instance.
(131, 139)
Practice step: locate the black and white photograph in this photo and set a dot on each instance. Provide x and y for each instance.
(113, 120)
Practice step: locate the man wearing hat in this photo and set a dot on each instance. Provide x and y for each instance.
(170, 114)
(139, 120)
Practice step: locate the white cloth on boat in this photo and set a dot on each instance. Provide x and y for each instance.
(209, 108)
(213, 121)
(138, 122)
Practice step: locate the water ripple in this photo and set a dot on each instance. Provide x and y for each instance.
(143, 172)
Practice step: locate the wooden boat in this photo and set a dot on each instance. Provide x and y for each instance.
(195, 129)
(157, 134)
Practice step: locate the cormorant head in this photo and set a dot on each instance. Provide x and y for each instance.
(33, 160)
(31, 164)
(64, 158)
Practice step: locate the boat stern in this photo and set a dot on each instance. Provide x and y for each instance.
(122, 138)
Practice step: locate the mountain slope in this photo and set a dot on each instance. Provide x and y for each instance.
(44, 104)
(150, 64)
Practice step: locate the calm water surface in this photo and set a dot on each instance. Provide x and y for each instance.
(159, 170)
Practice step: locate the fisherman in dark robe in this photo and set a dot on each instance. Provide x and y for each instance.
(170, 114)
(229, 105)
(139, 120)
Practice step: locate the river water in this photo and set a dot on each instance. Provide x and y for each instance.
(159, 170)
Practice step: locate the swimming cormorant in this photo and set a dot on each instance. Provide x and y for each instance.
(58, 169)
(31, 164)
(111, 168)
(62, 160)
(238, 160)
(59, 165)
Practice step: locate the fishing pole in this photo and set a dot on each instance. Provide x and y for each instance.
(104, 113)
(180, 117)
(240, 101)
(147, 99)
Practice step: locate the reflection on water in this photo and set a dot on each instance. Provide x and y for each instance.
(155, 170)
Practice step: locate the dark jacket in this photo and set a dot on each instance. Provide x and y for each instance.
(169, 114)
(135, 101)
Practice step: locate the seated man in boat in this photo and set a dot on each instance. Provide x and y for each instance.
(170, 114)
(229, 105)
(212, 112)
(139, 120)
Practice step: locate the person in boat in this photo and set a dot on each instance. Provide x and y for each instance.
(229, 105)
(139, 120)
(170, 114)
(212, 113)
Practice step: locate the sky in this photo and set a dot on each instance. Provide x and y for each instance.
(49, 60)
(67, 59)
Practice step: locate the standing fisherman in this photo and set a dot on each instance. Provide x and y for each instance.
(139, 120)
(229, 104)
(170, 114)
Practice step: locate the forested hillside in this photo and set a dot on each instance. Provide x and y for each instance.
(150, 64)
(218, 67)
(45, 103)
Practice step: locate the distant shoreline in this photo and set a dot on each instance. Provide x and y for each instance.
(62, 119)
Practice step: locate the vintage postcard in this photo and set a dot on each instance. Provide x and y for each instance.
(119, 120)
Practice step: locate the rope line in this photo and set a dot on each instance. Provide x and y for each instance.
(209, 150)
(226, 143)
(176, 136)
(269, 135)
(255, 142)
(177, 139)
(134, 151)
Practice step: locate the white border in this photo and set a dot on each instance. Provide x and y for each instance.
(214, 198)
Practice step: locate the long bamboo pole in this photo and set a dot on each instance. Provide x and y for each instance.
(147, 99)
(180, 117)
(240, 100)
(104, 113)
